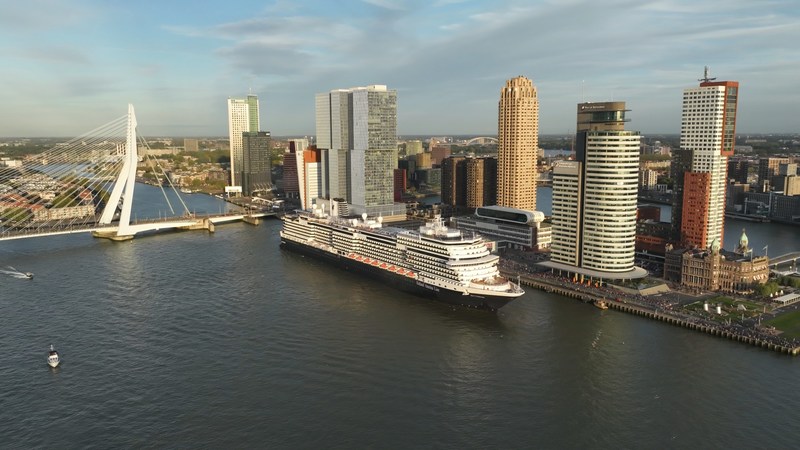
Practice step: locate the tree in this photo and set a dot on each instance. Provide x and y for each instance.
(770, 287)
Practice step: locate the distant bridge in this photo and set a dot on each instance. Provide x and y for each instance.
(481, 140)
(86, 185)
(788, 260)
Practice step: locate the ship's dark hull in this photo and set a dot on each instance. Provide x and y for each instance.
(401, 282)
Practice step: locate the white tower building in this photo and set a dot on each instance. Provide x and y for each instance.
(708, 127)
(595, 196)
(242, 116)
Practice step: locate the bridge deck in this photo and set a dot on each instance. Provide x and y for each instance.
(139, 226)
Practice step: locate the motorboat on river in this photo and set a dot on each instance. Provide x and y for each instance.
(52, 358)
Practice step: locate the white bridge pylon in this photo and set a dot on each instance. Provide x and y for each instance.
(123, 188)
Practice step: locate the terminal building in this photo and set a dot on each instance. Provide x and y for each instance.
(715, 269)
(509, 227)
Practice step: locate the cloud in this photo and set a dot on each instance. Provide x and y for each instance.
(387, 4)
(38, 15)
(448, 59)
(54, 54)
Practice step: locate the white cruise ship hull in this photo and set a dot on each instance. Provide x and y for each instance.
(472, 298)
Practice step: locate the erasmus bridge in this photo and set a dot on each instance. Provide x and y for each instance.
(86, 185)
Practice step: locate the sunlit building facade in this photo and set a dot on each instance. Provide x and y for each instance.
(708, 127)
(242, 117)
(595, 196)
(518, 142)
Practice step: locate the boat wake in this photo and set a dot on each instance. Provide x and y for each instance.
(597, 338)
(14, 273)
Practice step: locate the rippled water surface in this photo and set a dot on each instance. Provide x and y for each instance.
(188, 340)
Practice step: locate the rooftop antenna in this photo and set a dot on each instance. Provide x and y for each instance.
(705, 78)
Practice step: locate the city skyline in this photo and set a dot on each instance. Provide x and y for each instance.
(75, 66)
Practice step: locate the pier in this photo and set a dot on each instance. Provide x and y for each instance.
(585, 295)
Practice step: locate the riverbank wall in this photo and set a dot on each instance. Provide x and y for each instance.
(585, 295)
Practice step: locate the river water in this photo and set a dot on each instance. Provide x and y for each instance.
(186, 340)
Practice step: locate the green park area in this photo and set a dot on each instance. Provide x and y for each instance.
(789, 323)
(732, 308)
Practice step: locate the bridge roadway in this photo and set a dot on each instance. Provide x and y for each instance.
(193, 222)
(778, 260)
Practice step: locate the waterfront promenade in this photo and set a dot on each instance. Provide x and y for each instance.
(665, 307)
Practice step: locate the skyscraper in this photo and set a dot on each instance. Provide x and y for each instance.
(256, 168)
(518, 142)
(242, 117)
(594, 196)
(454, 181)
(708, 126)
(308, 176)
(481, 182)
(357, 135)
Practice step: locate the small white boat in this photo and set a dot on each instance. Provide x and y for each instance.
(29, 275)
(52, 358)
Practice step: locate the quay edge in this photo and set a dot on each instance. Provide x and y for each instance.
(650, 314)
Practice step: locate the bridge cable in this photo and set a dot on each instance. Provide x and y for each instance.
(169, 180)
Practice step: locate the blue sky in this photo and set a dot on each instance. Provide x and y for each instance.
(70, 66)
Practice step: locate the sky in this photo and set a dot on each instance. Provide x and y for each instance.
(73, 65)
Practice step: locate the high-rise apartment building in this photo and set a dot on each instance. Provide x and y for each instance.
(518, 142)
(438, 154)
(308, 175)
(738, 169)
(481, 182)
(242, 117)
(291, 184)
(400, 184)
(595, 196)
(357, 137)
(708, 127)
(769, 170)
(454, 181)
(334, 121)
(680, 165)
(648, 179)
(256, 168)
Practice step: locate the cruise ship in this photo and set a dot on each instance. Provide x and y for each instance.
(447, 264)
